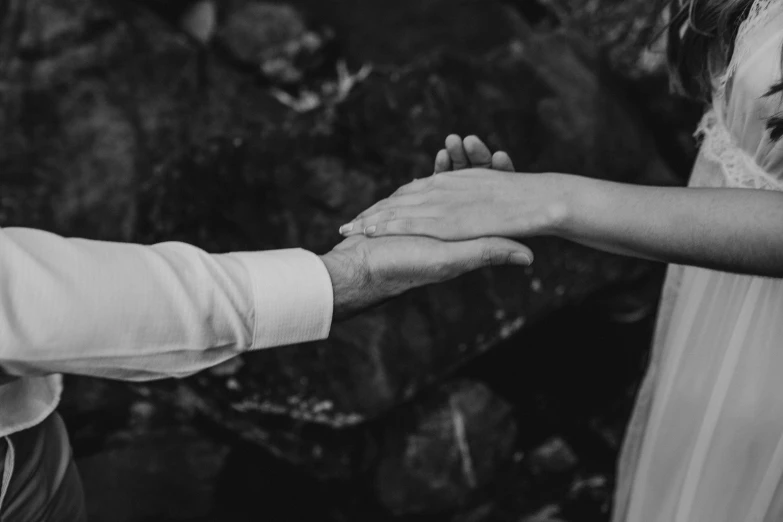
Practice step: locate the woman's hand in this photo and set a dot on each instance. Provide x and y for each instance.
(469, 203)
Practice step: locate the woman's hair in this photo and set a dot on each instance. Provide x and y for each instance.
(701, 38)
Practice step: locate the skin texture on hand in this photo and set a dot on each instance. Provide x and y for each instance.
(469, 204)
(368, 271)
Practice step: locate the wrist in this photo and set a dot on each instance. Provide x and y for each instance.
(347, 278)
(567, 209)
(557, 197)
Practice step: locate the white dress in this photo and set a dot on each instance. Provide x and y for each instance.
(705, 442)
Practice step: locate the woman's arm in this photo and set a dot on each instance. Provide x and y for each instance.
(726, 229)
(733, 230)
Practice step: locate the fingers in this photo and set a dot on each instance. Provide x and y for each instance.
(501, 161)
(492, 251)
(442, 161)
(470, 153)
(397, 221)
(407, 196)
(478, 154)
(402, 223)
(454, 147)
(403, 207)
(406, 200)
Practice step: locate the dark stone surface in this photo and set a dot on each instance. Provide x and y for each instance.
(443, 450)
(554, 457)
(114, 123)
(114, 126)
(631, 32)
(168, 474)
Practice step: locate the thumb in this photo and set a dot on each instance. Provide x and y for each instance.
(495, 251)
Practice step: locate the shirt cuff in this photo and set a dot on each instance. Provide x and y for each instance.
(292, 295)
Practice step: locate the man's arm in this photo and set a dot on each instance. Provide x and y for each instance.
(138, 312)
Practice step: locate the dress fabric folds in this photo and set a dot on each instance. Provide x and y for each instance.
(705, 441)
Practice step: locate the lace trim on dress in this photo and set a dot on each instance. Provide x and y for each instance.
(739, 169)
(758, 14)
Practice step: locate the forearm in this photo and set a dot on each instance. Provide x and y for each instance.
(733, 230)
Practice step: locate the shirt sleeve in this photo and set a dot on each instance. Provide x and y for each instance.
(136, 312)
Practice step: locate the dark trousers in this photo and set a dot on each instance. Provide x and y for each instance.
(43, 484)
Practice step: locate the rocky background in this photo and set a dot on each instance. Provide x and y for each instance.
(250, 125)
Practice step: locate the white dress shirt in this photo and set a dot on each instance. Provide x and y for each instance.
(136, 312)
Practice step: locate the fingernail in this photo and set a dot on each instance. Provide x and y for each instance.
(370, 230)
(521, 259)
(346, 228)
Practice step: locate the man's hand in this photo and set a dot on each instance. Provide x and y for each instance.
(367, 271)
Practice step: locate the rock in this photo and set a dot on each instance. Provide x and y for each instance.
(276, 42)
(112, 121)
(95, 411)
(439, 453)
(300, 64)
(546, 514)
(385, 355)
(75, 103)
(477, 514)
(199, 20)
(610, 436)
(630, 31)
(572, 67)
(554, 457)
(255, 486)
(589, 497)
(163, 475)
(632, 35)
(261, 32)
(632, 303)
